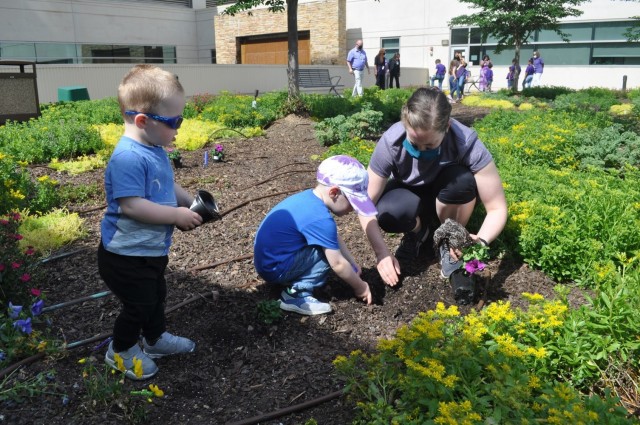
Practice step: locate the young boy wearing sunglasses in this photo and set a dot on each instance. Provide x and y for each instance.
(143, 206)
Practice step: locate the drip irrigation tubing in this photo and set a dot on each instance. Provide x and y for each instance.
(242, 204)
(107, 293)
(59, 256)
(4, 372)
(76, 301)
(291, 409)
(209, 266)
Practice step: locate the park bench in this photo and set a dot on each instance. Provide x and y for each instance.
(470, 81)
(317, 78)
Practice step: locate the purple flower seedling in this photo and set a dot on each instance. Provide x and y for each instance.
(14, 310)
(23, 326)
(474, 266)
(36, 308)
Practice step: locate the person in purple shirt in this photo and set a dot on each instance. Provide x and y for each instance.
(484, 67)
(538, 68)
(461, 75)
(441, 70)
(430, 167)
(511, 75)
(528, 75)
(357, 61)
(489, 76)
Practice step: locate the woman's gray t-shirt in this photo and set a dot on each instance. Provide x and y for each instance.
(460, 146)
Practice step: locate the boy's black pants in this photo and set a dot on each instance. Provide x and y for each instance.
(139, 284)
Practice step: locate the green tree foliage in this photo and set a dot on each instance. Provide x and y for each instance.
(512, 22)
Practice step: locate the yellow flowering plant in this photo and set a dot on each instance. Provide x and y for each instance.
(105, 387)
(481, 368)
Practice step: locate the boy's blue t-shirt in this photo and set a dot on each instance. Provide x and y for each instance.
(298, 221)
(144, 171)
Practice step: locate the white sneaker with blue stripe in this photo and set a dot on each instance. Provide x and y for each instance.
(302, 303)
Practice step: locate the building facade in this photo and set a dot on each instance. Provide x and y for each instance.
(197, 32)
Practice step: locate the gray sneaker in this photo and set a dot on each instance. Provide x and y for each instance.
(167, 345)
(148, 367)
(302, 303)
(447, 265)
(411, 243)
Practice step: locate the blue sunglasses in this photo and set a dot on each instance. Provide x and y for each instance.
(171, 122)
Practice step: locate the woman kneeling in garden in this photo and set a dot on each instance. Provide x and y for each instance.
(438, 168)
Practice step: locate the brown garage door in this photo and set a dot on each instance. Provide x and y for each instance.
(272, 51)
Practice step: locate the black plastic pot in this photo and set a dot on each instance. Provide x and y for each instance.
(206, 206)
(464, 287)
(177, 162)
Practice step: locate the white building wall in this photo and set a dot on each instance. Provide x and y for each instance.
(100, 22)
(423, 24)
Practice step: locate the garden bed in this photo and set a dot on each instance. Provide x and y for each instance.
(241, 367)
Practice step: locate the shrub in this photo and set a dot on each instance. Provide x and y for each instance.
(595, 99)
(357, 148)
(38, 141)
(51, 231)
(321, 106)
(546, 92)
(487, 102)
(81, 164)
(19, 191)
(235, 111)
(609, 147)
(17, 263)
(481, 368)
(366, 124)
(101, 111)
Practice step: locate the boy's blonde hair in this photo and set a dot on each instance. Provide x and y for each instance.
(145, 87)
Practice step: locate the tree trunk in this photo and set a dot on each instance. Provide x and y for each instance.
(516, 72)
(292, 64)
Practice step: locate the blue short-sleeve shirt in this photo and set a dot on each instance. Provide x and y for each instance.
(298, 221)
(137, 170)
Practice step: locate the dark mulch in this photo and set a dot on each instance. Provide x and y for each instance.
(242, 368)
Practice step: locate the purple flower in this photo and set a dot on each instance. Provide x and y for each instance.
(474, 266)
(23, 325)
(36, 308)
(14, 310)
(219, 148)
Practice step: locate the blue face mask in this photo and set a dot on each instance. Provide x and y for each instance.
(427, 155)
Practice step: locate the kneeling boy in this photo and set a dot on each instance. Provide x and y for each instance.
(298, 242)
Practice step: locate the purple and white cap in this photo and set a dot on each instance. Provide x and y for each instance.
(352, 178)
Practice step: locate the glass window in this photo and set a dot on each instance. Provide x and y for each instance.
(611, 30)
(576, 32)
(475, 36)
(460, 36)
(503, 58)
(18, 51)
(391, 46)
(616, 50)
(565, 54)
(55, 53)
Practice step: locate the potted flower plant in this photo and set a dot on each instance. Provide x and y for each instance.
(463, 281)
(175, 156)
(218, 153)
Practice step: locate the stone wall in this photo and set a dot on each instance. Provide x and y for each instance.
(324, 19)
